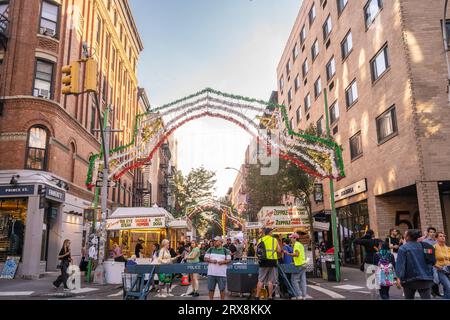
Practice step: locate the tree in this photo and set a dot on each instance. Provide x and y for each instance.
(190, 189)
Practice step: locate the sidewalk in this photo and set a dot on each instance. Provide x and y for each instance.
(42, 288)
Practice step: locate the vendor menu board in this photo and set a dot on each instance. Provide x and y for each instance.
(136, 223)
(283, 217)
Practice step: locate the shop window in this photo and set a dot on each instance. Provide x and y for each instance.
(13, 216)
(36, 157)
(49, 19)
(43, 79)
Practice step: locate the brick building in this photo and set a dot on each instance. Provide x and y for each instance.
(383, 66)
(46, 138)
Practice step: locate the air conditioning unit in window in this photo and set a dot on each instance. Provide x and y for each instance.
(42, 93)
(47, 32)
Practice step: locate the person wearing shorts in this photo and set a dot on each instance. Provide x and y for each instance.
(217, 258)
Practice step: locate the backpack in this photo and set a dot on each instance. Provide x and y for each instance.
(261, 253)
(385, 272)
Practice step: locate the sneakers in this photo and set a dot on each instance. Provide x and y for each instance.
(160, 295)
(196, 294)
(66, 289)
(170, 295)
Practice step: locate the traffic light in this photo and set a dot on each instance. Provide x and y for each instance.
(71, 78)
(90, 75)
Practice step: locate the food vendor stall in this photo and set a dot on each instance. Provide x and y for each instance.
(286, 220)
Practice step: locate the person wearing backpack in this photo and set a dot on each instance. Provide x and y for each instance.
(414, 266)
(385, 262)
(267, 252)
(217, 257)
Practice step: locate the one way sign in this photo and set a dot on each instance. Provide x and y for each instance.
(111, 184)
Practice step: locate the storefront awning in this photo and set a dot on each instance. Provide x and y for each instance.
(180, 224)
(141, 212)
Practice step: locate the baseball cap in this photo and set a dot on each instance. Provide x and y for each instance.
(217, 238)
(294, 236)
(267, 230)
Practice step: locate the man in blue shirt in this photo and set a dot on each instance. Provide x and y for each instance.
(287, 259)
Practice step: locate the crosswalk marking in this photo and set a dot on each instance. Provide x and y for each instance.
(116, 294)
(16, 293)
(348, 287)
(330, 293)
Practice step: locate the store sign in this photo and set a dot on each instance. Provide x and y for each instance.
(54, 194)
(321, 226)
(136, 223)
(351, 190)
(283, 217)
(15, 191)
(253, 225)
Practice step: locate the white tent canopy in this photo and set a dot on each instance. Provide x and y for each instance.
(120, 213)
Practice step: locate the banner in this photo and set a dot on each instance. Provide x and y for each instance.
(136, 223)
(283, 217)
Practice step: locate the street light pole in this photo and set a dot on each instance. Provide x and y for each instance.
(333, 208)
(445, 39)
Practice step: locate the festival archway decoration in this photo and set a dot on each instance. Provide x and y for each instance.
(317, 156)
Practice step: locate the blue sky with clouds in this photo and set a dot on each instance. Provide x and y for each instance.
(229, 45)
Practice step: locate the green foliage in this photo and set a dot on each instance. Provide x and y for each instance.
(188, 190)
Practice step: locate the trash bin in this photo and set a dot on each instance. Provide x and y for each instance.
(241, 282)
(328, 267)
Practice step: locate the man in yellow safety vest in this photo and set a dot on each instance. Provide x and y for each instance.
(298, 279)
(267, 263)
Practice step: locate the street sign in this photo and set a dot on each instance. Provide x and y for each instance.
(111, 184)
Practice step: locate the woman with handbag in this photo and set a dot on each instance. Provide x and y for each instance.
(65, 258)
(442, 265)
(165, 279)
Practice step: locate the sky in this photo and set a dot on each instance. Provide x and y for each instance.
(230, 45)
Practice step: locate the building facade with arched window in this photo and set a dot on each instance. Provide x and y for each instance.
(46, 139)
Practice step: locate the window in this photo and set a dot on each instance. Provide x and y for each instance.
(49, 19)
(297, 82)
(327, 27)
(295, 52)
(307, 102)
(356, 146)
(317, 87)
(447, 28)
(331, 69)
(351, 94)
(319, 126)
(305, 68)
(99, 29)
(341, 4)
(303, 35)
(334, 112)
(3, 7)
(104, 89)
(288, 67)
(37, 148)
(281, 84)
(43, 79)
(312, 14)
(371, 10)
(115, 18)
(298, 114)
(347, 45)
(289, 96)
(315, 50)
(380, 63)
(386, 125)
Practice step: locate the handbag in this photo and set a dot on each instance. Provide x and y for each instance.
(83, 264)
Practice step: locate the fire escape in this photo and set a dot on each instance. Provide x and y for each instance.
(4, 23)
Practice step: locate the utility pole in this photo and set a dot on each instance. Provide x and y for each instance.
(333, 207)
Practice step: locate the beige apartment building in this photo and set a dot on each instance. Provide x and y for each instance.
(383, 66)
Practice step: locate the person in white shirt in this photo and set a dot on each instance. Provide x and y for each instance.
(218, 258)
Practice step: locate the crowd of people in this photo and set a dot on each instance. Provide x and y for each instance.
(411, 262)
